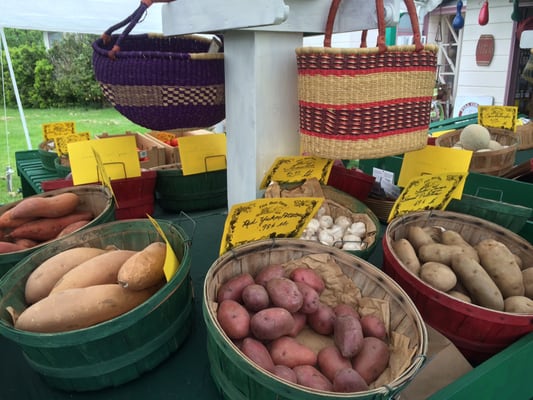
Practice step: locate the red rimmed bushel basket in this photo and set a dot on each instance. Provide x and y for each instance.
(360, 103)
(161, 82)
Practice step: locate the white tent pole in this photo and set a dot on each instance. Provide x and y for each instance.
(15, 88)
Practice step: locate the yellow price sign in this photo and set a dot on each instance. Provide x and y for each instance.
(268, 218)
(55, 129)
(427, 192)
(297, 169)
(501, 117)
(61, 142)
(172, 263)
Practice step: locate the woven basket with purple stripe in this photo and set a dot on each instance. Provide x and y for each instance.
(161, 82)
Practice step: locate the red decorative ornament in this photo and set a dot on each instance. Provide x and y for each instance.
(483, 18)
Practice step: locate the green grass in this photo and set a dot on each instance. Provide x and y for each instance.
(13, 138)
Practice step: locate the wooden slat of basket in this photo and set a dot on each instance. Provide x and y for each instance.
(525, 135)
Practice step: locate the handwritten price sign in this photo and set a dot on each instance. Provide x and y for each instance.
(502, 117)
(298, 169)
(268, 218)
(55, 129)
(62, 142)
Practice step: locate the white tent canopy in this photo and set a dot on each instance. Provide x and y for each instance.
(80, 16)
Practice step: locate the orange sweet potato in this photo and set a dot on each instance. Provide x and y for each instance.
(54, 206)
(98, 270)
(44, 229)
(80, 308)
(73, 227)
(9, 247)
(7, 220)
(145, 268)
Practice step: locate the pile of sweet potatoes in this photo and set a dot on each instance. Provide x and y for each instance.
(485, 273)
(38, 219)
(83, 286)
(264, 315)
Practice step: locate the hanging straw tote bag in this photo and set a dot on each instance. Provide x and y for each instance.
(363, 103)
(161, 82)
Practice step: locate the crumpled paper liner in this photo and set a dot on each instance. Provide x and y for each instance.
(339, 288)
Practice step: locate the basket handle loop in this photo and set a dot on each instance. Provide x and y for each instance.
(131, 21)
(380, 10)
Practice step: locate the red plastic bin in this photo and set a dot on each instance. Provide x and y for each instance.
(351, 180)
(135, 196)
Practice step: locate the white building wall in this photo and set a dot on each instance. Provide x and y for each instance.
(489, 80)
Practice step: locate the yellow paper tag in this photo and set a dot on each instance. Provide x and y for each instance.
(55, 129)
(172, 263)
(298, 169)
(268, 218)
(61, 142)
(502, 117)
(203, 153)
(434, 160)
(427, 192)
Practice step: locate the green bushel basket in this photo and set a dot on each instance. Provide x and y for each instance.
(94, 198)
(176, 192)
(47, 155)
(119, 350)
(238, 378)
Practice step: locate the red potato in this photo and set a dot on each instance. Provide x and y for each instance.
(258, 353)
(348, 380)
(269, 272)
(310, 298)
(271, 323)
(330, 361)
(322, 320)
(233, 287)
(284, 372)
(343, 309)
(286, 350)
(300, 322)
(233, 319)
(284, 293)
(348, 335)
(373, 326)
(308, 276)
(255, 297)
(310, 377)
(372, 359)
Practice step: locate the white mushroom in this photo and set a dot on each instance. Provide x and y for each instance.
(325, 237)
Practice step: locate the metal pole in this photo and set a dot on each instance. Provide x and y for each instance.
(15, 88)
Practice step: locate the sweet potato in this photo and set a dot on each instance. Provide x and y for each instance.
(233, 319)
(54, 206)
(7, 220)
(233, 287)
(348, 335)
(286, 350)
(284, 293)
(73, 227)
(145, 268)
(372, 325)
(44, 229)
(330, 361)
(348, 380)
(9, 247)
(98, 270)
(372, 359)
(258, 353)
(27, 243)
(406, 253)
(500, 264)
(308, 276)
(310, 377)
(322, 320)
(271, 323)
(269, 272)
(43, 278)
(255, 297)
(80, 308)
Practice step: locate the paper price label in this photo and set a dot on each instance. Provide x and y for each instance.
(62, 142)
(55, 129)
(298, 169)
(172, 263)
(501, 117)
